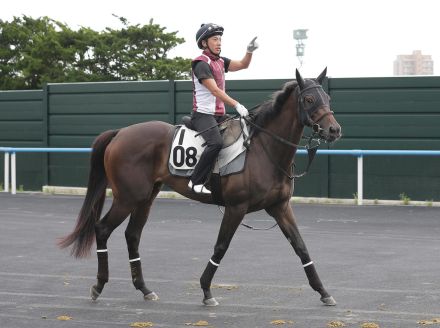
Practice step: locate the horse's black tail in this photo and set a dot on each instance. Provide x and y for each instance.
(83, 235)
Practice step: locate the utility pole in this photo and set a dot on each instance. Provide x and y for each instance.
(300, 36)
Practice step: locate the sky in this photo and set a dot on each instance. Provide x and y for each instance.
(352, 38)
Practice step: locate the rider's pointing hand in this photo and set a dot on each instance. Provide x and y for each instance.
(253, 45)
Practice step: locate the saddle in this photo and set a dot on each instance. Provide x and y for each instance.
(187, 147)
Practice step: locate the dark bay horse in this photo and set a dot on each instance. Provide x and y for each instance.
(133, 162)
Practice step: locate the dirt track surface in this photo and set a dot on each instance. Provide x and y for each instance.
(381, 264)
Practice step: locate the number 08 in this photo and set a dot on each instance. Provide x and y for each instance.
(184, 156)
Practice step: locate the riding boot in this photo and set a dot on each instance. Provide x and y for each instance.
(200, 188)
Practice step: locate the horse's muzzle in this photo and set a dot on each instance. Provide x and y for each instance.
(326, 125)
(331, 133)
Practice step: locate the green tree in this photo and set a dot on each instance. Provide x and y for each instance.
(35, 51)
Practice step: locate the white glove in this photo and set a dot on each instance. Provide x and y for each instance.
(252, 46)
(241, 110)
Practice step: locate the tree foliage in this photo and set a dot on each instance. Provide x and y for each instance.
(35, 51)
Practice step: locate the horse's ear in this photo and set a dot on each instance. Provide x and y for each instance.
(321, 76)
(299, 79)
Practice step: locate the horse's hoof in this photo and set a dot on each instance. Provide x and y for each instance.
(151, 297)
(94, 294)
(329, 301)
(210, 301)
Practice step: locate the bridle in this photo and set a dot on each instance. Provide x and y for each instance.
(314, 137)
(314, 124)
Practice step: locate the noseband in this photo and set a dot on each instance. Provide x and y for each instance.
(314, 124)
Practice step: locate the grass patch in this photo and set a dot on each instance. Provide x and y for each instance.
(404, 198)
(355, 198)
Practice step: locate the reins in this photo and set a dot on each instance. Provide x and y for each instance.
(249, 226)
(273, 135)
(311, 150)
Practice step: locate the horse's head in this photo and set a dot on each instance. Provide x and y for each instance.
(314, 107)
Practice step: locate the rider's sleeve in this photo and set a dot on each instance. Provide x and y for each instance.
(227, 62)
(202, 71)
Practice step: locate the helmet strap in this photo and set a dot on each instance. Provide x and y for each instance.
(214, 53)
(207, 50)
(211, 55)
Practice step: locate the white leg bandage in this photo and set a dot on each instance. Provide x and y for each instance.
(213, 263)
(134, 260)
(307, 264)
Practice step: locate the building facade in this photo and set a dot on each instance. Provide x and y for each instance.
(414, 64)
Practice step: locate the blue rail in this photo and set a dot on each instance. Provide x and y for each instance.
(11, 151)
(359, 152)
(44, 150)
(352, 152)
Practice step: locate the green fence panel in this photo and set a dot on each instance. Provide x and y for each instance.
(79, 112)
(22, 125)
(375, 113)
(387, 113)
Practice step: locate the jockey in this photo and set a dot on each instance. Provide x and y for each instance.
(209, 97)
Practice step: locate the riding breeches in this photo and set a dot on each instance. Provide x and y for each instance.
(214, 143)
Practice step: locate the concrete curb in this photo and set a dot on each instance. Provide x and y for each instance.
(56, 190)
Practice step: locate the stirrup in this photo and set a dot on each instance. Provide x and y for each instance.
(199, 189)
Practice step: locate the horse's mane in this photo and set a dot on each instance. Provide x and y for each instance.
(270, 108)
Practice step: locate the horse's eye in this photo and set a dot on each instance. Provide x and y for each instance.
(309, 100)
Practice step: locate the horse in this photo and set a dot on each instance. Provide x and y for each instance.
(133, 162)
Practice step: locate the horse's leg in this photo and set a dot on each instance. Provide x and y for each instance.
(103, 229)
(231, 220)
(133, 236)
(285, 218)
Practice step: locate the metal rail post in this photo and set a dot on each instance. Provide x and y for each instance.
(360, 179)
(13, 174)
(6, 177)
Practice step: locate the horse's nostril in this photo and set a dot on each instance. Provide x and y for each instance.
(334, 129)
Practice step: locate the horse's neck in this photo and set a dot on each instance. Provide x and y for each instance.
(287, 126)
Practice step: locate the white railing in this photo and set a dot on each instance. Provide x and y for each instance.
(10, 160)
(360, 160)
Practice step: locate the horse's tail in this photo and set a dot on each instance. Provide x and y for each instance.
(83, 235)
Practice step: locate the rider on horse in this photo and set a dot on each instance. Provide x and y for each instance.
(209, 96)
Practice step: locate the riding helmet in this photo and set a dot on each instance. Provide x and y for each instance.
(206, 31)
